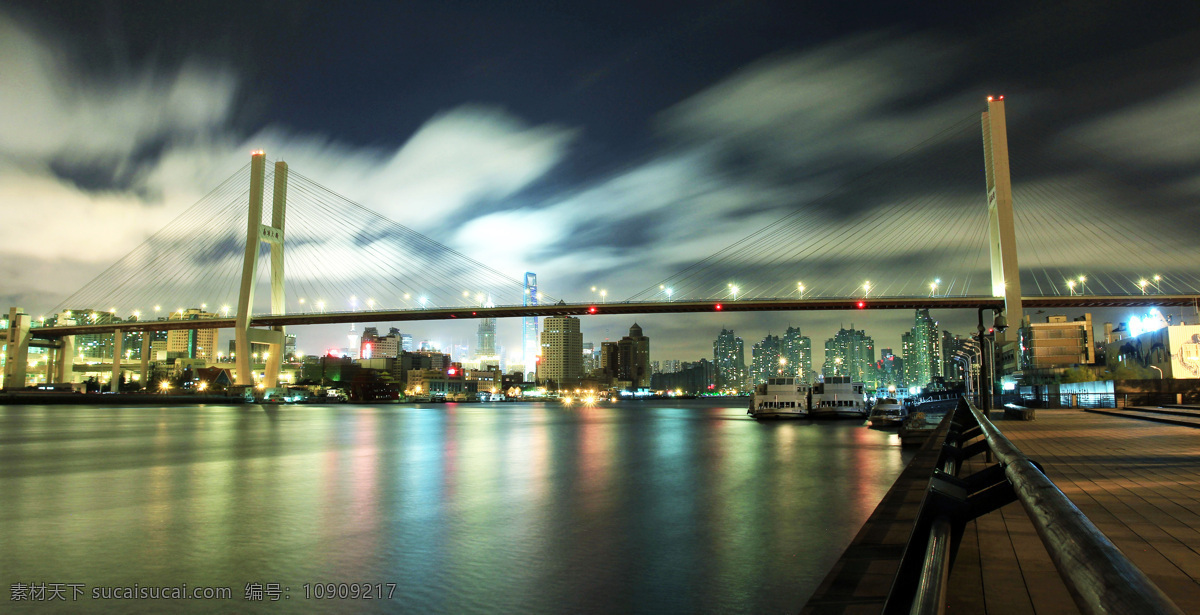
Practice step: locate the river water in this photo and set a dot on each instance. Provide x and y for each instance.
(640, 507)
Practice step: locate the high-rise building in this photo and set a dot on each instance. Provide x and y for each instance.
(851, 352)
(88, 345)
(890, 370)
(485, 335)
(729, 356)
(562, 350)
(608, 359)
(908, 348)
(406, 342)
(923, 350)
(670, 366)
(764, 360)
(388, 346)
(796, 349)
(633, 358)
(530, 342)
(289, 346)
(368, 343)
(591, 358)
(192, 343)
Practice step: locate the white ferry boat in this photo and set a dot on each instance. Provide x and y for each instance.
(780, 398)
(838, 397)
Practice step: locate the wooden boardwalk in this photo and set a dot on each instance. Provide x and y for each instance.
(1138, 482)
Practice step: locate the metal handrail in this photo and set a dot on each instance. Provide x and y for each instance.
(1098, 576)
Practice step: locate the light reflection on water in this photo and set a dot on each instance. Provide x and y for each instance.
(639, 507)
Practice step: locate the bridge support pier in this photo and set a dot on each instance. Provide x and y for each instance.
(64, 361)
(16, 350)
(114, 383)
(145, 373)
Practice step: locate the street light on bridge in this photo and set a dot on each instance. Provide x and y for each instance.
(1142, 284)
(867, 289)
(1157, 279)
(933, 287)
(1071, 287)
(734, 290)
(800, 287)
(1083, 284)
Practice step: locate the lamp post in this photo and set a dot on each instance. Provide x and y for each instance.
(1160, 372)
(800, 287)
(867, 289)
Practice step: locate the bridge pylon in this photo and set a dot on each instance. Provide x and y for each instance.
(256, 234)
(1002, 236)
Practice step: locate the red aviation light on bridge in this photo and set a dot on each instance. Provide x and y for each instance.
(718, 307)
(862, 304)
(592, 310)
(473, 314)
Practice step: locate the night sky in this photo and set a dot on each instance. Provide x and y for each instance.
(602, 144)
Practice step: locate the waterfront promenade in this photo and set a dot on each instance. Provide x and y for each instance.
(1138, 482)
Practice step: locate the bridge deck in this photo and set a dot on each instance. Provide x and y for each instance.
(1138, 481)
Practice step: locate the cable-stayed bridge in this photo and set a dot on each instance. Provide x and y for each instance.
(325, 259)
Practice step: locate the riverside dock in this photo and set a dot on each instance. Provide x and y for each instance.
(1138, 481)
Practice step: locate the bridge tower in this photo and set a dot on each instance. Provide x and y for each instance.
(256, 234)
(1006, 279)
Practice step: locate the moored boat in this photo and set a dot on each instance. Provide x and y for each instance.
(839, 397)
(887, 412)
(780, 398)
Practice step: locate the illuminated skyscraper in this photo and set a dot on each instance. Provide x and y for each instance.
(485, 342)
(797, 350)
(729, 356)
(562, 351)
(851, 352)
(633, 358)
(923, 352)
(530, 342)
(764, 360)
(192, 343)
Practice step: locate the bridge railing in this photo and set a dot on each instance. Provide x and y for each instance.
(1099, 577)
